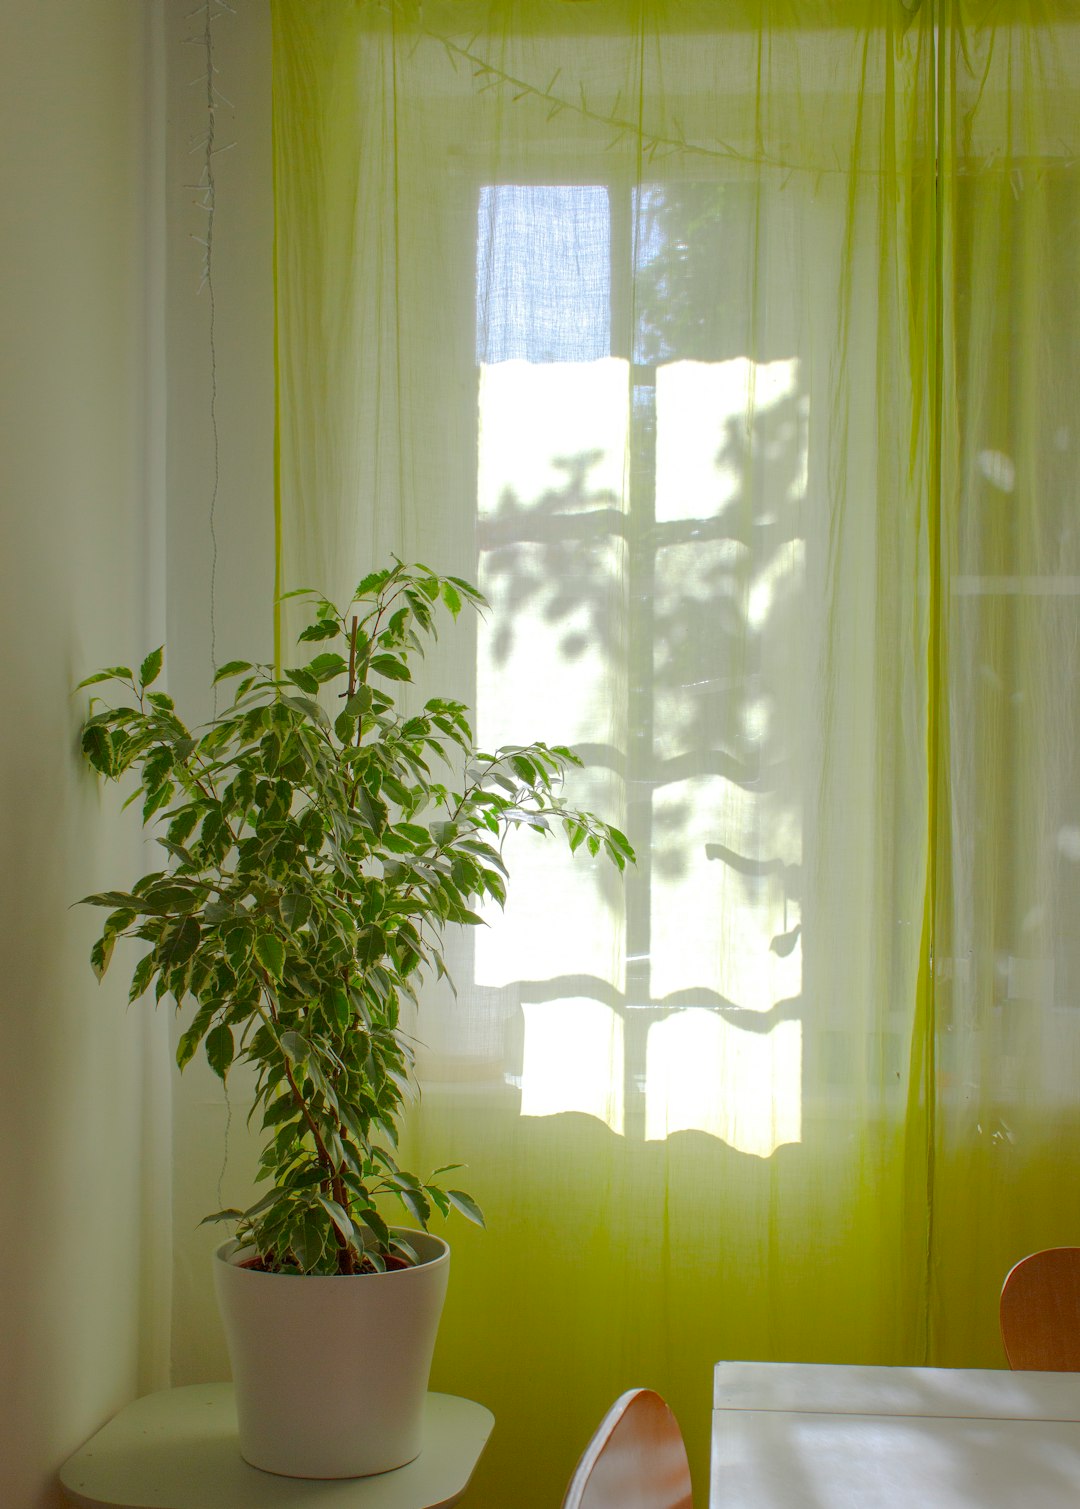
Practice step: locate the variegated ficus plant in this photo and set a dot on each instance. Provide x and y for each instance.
(317, 844)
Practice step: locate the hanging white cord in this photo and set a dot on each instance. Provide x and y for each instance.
(206, 144)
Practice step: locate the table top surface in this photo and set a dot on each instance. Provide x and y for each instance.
(178, 1449)
(804, 1436)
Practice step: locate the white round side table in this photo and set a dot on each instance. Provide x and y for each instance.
(178, 1449)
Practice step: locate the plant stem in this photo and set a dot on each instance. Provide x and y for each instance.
(346, 1261)
(352, 656)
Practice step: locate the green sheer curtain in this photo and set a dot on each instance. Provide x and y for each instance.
(1007, 663)
(727, 346)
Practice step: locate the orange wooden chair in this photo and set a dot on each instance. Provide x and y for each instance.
(1040, 1311)
(636, 1459)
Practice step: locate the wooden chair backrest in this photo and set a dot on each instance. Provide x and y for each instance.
(636, 1459)
(1040, 1311)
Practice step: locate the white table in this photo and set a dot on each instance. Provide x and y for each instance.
(178, 1449)
(818, 1436)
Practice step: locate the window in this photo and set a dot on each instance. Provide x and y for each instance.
(635, 533)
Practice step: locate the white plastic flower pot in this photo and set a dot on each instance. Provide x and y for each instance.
(331, 1373)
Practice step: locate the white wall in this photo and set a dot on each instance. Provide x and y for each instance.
(105, 482)
(83, 1099)
(242, 270)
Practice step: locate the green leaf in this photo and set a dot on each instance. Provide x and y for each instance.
(270, 952)
(190, 1040)
(401, 1248)
(220, 1050)
(466, 1205)
(140, 979)
(179, 944)
(616, 857)
(308, 1242)
(438, 1199)
(231, 668)
(151, 666)
(360, 702)
(215, 911)
(182, 825)
(524, 768)
(213, 828)
(390, 667)
(283, 1109)
(169, 895)
(451, 597)
(468, 590)
(371, 584)
(101, 953)
(112, 898)
(304, 680)
(415, 1202)
(238, 942)
(339, 1218)
(621, 841)
(310, 709)
(295, 911)
(326, 666)
(338, 1008)
(98, 748)
(160, 797)
(322, 628)
(371, 1218)
(296, 1048)
(273, 1197)
(495, 886)
(413, 832)
(157, 766)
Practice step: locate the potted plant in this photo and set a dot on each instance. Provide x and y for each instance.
(318, 842)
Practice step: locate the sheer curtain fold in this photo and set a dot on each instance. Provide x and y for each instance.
(730, 359)
(1008, 864)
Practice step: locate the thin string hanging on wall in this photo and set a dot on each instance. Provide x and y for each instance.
(618, 117)
(205, 143)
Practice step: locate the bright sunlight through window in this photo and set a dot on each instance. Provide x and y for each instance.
(621, 506)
